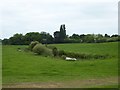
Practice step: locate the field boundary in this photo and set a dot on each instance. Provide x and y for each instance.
(67, 84)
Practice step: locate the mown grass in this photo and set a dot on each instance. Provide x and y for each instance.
(27, 67)
(94, 48)
(107, 86)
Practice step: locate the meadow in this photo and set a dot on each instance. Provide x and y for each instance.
(26, 67)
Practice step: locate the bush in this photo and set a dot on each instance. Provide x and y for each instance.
(61, 52)
(113, 39)
(55, 51)
(42, 50)
(63, 57)
(32, 44)
(81, 55)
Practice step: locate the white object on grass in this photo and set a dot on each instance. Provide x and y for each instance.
(70, 59)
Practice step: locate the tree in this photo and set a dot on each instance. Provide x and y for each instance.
(89, 38)
(62, 32)
(115, 35)
(0, 41)
(32, 36)
(75, 36)
(99, 38)
(82, 37)
(5, 41)
(106, 35)
(46, 38)
(17, 39)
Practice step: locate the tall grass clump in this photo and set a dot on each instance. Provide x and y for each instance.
(63, 53)
(55, 51)
(32, 44)
(42, 50)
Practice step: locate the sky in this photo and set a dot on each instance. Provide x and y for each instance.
(79, 16)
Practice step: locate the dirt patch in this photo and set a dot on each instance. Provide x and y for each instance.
(66, 84)
(92, 82)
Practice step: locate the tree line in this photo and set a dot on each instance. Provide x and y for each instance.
(58, 37)
(46, 38)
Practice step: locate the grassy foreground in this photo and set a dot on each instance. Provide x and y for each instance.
(19, 67)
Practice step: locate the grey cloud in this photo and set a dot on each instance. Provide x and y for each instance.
(42, 15)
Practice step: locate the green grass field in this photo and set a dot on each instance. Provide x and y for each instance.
(22, 67)
(95, 48)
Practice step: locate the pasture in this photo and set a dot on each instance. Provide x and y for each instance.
(20, 68)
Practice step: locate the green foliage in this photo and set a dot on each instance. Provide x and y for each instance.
(17, 39)
(62, 33)
(61, 52)
(113, 39)
(55, 51)
(20, 67)
(42, 50)
(32, 44)
(63, 57)
(32, 36)
(6, 42)
(59, 37)
(85, 56)
(110, 48)
(46, 38)
(75, 36)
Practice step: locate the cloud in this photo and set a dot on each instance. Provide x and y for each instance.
(80, 16)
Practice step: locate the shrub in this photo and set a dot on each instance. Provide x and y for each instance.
(81, 55)
(55, 51)
(63, 57)
(113, 39)
(48, 52)
(61, 52)
(42, 50)
(32, 44)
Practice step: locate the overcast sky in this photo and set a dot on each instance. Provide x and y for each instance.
(79, 16)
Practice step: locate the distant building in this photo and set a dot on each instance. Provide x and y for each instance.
(59, 36)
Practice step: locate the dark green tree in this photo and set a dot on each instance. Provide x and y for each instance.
(17, 39)
(62, 32)
(89, 38)
(55, 51)
(115, 35)
(46, 38)
(32, 36)
(106, 35)
(75, 36)
(5, 41)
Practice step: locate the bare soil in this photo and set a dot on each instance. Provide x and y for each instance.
(66, 84)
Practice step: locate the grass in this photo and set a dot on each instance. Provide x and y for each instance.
(88, 48)
(0, 65)
(108, 86)
(26, 67)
